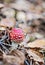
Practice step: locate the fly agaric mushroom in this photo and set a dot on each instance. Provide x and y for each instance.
(17, 34)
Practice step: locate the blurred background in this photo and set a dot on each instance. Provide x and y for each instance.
(28, 15)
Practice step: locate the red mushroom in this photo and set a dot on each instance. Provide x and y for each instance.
(16, 34)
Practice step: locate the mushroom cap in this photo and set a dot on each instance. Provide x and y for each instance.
(17, 34)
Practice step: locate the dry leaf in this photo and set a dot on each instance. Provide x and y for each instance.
(8, 22)
(37, 44)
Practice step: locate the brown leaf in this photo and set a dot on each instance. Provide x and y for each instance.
(37, 44)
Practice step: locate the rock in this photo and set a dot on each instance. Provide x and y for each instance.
(8, 12)
(21, 5)
(21, 16)
(1, 5)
